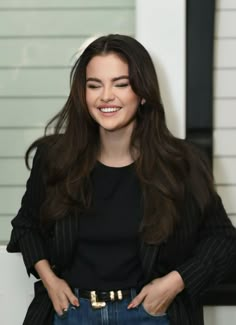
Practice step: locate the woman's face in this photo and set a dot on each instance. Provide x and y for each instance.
(110, 99)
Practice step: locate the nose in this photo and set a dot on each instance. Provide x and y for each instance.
(107, 94)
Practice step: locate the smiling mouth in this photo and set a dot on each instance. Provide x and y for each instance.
(109, 109)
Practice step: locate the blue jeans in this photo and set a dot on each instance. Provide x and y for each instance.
(114, 313)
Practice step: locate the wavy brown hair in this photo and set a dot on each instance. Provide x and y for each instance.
(167, 167)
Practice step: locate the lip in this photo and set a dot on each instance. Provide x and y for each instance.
(108, 106)
(109, 114)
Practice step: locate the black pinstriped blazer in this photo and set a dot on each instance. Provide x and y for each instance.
(202, 250)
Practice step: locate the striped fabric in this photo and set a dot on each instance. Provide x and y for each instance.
(202, 250)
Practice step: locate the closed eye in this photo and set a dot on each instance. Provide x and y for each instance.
(122, 85)
(93, 86)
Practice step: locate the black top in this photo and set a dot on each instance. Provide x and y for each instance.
(107, 250)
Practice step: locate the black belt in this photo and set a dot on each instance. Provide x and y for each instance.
(98, 298)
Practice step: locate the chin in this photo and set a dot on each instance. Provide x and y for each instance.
(108, 126)
(110, 129)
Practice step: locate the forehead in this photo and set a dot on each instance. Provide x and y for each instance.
(107, 65)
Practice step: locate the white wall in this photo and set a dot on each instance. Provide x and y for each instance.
(225, 104)
(160, 27)
(16, 289)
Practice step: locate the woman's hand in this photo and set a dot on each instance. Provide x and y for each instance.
(58, 290)
(61, 295)
(159, 293)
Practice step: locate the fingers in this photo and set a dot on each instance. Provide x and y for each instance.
(69, 298)
(138, 299)
(61, 304)
(61, 296)
(72, 299)
(62, 299)
(61, 310)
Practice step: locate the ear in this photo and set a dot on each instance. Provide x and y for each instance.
(143, 101)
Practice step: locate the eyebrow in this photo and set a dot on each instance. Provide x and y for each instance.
(113, 79)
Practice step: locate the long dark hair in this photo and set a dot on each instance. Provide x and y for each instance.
(166, 166)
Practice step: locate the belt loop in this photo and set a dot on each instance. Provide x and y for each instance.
(133, 293)
(76, 290)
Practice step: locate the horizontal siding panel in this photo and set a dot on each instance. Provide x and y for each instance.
(5, 229)
(225, 113)
(28, 112)
(38, 40)
(34, 82)
(225, 24)
(224, 170)
(225, 104)
(11, 199)
(224, 142)
(65, 4)
(13, 143)
(15, 172)
(225, 4)
(225, 83)
(225, 53)
(65, 22)
(228, 195)
(39, 52)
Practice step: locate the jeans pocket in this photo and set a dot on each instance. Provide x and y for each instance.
(152, 315)
(63, 316)
(66, 313)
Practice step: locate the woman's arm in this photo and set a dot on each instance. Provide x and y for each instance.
(58, 290)
(214, 254)
(26, 235)
(211, 260)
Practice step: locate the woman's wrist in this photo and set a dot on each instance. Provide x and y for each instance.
(178, 281)
(45, 272)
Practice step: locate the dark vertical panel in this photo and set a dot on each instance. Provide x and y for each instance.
(199, 110)
(200, 35)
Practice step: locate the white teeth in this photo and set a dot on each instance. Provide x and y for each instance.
(109, 109)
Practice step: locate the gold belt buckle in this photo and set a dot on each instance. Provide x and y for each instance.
(94, 303)
(101, 304)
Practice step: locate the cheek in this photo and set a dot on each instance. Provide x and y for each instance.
(91, 110)
(134, 102)
(90, 99)
(89, 103)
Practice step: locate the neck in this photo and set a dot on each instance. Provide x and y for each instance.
(115, 147)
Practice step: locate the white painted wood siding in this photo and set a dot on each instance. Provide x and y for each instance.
(38, 40)
(225, 104)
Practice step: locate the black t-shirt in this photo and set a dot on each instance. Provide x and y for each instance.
(107, 252)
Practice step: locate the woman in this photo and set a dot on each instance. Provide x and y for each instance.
(120, 219)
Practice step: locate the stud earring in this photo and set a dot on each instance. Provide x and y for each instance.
(143, 101)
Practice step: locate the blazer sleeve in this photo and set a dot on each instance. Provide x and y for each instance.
(214, 254)
(26, 236)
